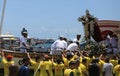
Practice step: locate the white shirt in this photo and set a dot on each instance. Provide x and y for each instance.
(58, 45)
(113, 42)
(65, 44)
(23, 40)
(107, 41)
(75, 40)
(53, 45)
(72, 47)
(107, 68)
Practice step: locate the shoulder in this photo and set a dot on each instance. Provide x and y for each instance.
(24, 68)
(21, 37)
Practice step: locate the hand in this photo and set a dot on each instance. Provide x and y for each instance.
(2, 52)
(28, 53)
(28, 48)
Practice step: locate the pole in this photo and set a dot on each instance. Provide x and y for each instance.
(2, 17)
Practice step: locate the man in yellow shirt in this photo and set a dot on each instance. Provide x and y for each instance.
(7, 62)
(89, 59)
(67, 59)
(101, 63)
(77, 68)
(84, 71)
(46, 67)
(35, 64)
(58, 68)
(114, 60)
(70, 71)
(116, 69)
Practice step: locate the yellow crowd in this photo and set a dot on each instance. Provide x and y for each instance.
(67, 64)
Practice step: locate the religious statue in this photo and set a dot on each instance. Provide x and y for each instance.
(91, 28)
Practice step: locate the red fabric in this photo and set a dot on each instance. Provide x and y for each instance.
(97, 33)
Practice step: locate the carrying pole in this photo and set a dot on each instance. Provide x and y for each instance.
(2, 17)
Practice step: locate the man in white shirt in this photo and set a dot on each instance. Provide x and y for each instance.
(58, 46)
(114, 43)
(23, 41)
(78, 36)
(106, 42)
(73, 47)
(107, 68)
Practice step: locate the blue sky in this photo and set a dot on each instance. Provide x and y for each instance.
(51, 18)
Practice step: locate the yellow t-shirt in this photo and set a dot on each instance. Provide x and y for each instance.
(101, 63)
(50, 67)
(116, 70)
(89, 60)
(58, 69)
(75, 56)
(66, 62)
(81, 59)
(45, 65)
(67, 72)
(114, 62)
(77, 71)
(6, 66)
(84, 70)
(35, 66)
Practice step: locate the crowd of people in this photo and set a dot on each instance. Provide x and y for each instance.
(66, 64)
(65, 59)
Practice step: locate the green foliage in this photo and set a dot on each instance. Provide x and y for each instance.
(95, 48)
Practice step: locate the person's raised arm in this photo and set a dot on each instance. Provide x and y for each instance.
(28, 55)
(2, 54)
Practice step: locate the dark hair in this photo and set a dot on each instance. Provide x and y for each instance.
(23, 61)
(107, 60)
(58, 60)
(72, 63)
(69, 55)
(84, 60)
(95, 60)
(37, 57)
(119, 61)
(77, 43)
(90, 55)
(24, 31)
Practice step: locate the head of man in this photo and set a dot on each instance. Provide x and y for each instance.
(9, 57)
(46, 57)
(72, 65)
(37, 58)
(78, 36)
(61, 37)
(107, 59)
(26, 61)
(24, 32)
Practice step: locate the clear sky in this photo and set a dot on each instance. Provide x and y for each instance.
(51, 18)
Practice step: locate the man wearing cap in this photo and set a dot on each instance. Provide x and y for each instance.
(23, 41)
(7, 62)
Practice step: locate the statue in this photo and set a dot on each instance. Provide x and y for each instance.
(91, 28)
